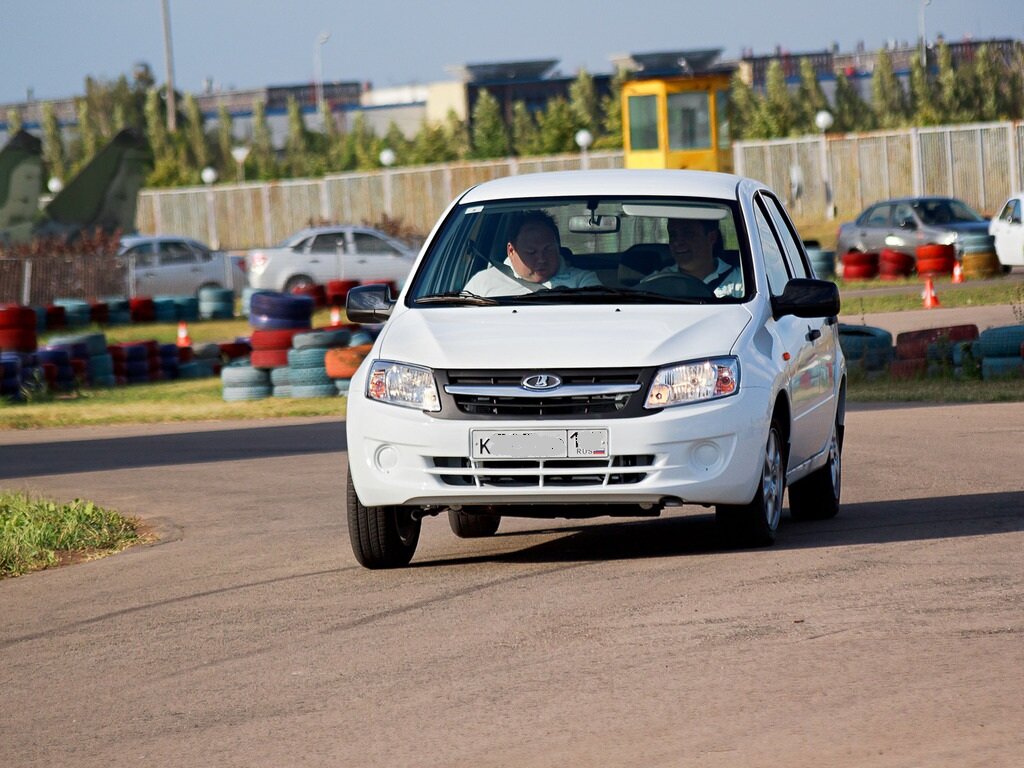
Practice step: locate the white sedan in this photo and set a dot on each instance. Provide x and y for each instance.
(598, 343)
(1008, 230)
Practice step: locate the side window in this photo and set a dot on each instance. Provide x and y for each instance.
(903, 217)
(175, 252)
(330, 243)
(142, 255)
(367, 243)
(787, 237)
(1011, 213)
(774, 261)
(879, 216)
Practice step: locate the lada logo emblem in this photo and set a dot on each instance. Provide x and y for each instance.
(541, 381)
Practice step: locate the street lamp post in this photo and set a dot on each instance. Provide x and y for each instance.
(387, 159)
(824, 120)
(584, 139)
(209, 176)
(240, 153)
(318, 66)
(924, 46)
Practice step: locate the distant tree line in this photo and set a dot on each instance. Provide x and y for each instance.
(988, 88)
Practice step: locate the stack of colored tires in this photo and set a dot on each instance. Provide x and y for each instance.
(894, 265)
(91, 349)
(935, 259)
(56, 365)
(280, 311)
(978, 256)
(315, 291)
(17, 329)
(867, 349)
(216, 303)
(118, 311)
(234, 350)
(99, 312)
(337, 291)
(187, 308)
(341, 364)
(165, 309)
(77, 313)
(1001, 351)
(11, 376)
(931, 351)
(56, 318)
(244, 382)
(208, 356)
(132, 363)
(270, 347)
(169, 362)
(307, 374)
(860, 266)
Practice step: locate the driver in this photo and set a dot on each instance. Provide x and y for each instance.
(694, 244)
(533, 261)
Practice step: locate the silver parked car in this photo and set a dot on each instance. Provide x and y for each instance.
(905, 223)
(320, 254)
(166, 264)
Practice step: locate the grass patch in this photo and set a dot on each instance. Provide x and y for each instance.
(935, 390)
(1007, 293)
(37, 534)
(164, 401)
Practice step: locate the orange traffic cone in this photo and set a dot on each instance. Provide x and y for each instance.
(335, 315)
(931, 300)
(184, 340)
(958, 272)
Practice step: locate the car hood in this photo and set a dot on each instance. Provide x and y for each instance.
(601, 336)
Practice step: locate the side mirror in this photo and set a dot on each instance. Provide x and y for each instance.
(804, 297)
(369, 303)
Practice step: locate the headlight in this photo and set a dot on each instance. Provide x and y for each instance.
(405, 385)
(694, 382)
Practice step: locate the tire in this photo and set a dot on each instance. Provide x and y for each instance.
(310, 377)
(303, 391)
(299, 282)
(1004, 341)
(309, 357)
(754, 524)
(381, 537)
(467, 525)
(859, 271)
(817, 496)
(243, 375)
(234, 394)
(281, 305)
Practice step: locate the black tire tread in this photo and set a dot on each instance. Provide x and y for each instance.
(372, 532)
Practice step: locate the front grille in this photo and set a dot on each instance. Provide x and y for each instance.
(542, 473)
(588, 393)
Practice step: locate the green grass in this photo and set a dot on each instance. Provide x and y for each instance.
(1009, 292)
(36, 533)
(937, 390)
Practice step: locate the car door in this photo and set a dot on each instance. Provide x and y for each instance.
(877, 225)
(141, 267)
(810, 342)
(373, 257)
(324, 257)
(904, 233)
(1008, 230)
(176, 269)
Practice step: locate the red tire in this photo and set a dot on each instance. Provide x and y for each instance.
(337, 291)
(856, 258)
(935, 251)
(234, 349)
(56, 317)
(18, 339)
(935, 266)
(342, 362)
(908, 369)
(269, 358)
(315, 292)
(892, 262)
(951, 332)
(142, 309)
(281, 339)
(15, 316)
(859, 271)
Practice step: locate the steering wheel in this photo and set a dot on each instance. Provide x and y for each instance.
(678, 285)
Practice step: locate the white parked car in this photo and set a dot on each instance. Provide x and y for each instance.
(168, 264)
(1008, 230)
(321, 254)
(606, 368)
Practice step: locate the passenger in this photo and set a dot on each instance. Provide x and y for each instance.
(533, 261)
(695, 245)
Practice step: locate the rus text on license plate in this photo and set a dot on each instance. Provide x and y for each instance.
(539, 444)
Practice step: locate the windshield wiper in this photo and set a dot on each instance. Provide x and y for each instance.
(456, 298)
(597, 293)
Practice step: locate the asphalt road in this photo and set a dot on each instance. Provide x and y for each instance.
(247, 636)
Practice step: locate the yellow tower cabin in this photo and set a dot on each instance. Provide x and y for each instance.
(675, 111)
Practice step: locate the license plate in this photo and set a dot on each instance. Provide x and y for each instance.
(539, 444)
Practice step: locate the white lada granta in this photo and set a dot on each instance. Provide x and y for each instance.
(598, 343)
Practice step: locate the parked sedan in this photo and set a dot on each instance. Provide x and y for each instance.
(905, 223)
(321, 254)
(1008, 230)
(166, 264)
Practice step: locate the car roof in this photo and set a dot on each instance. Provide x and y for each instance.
(127, 241)
(655, 183)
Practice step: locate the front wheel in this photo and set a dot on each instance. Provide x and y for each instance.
(816, 497)
(381, 537)
(755, 524)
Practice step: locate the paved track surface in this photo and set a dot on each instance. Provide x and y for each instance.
(890, 636)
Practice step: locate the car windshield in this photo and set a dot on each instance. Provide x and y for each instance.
(945, 211)
(586, 250)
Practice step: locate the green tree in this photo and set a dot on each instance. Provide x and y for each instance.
(888, 100)
(525, 136)
(362, 145)
(743, 108)
(583, 101)
(226, 165)
(395, 140)
(610, 135)
(950, 88)
(431, 145)
(776, 113)
(54, 154)
(89, 138)
(262, 158)
(13, 121)
(556, 127)
(489, 135)
(990, 79)
(195, 136)
(851, 112)
(810, 98)
(296, 149)
(457, 135)
(922, 95)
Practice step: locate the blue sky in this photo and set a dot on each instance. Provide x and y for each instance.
(51, 45)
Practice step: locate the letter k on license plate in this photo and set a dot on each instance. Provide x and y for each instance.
(539, 444)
